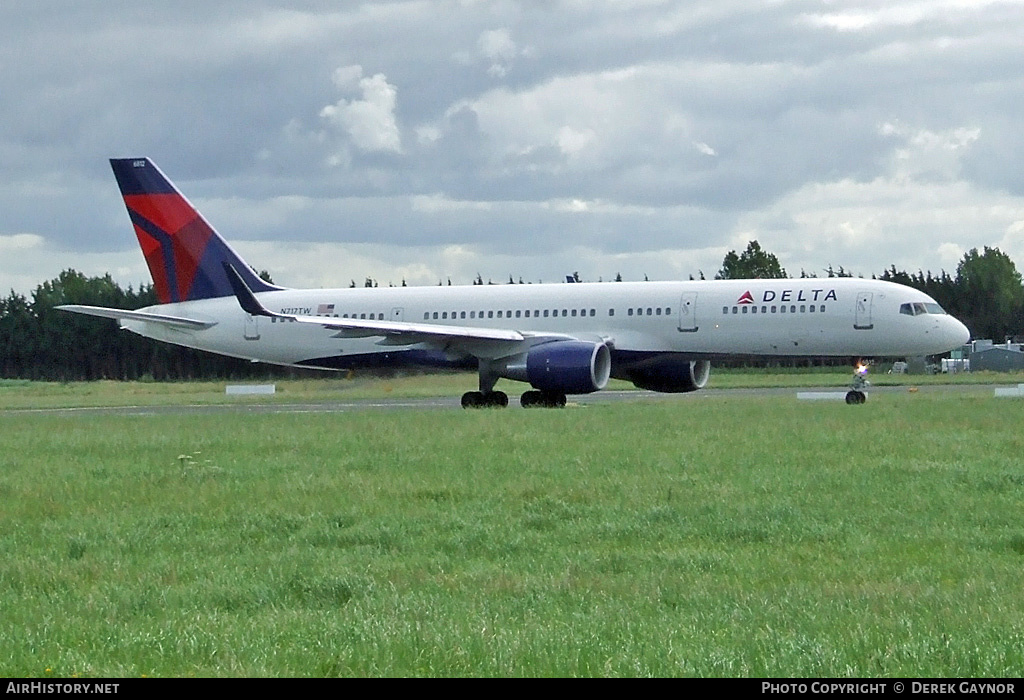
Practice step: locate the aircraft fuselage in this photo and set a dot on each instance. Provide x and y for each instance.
(837, 317)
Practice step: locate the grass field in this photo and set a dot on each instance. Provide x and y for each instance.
(740, 536)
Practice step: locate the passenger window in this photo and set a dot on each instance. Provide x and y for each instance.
(725, 309)
(629, 311)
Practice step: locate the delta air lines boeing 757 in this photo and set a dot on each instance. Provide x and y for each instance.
(560, 338)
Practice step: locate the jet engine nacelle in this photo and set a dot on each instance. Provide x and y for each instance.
(671, 375)
(565, 367)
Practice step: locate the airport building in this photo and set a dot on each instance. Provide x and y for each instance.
(984, 355)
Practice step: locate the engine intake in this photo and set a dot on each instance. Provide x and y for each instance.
(565, 367)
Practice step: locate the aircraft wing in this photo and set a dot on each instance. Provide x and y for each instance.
(393, 332)
(123, 314)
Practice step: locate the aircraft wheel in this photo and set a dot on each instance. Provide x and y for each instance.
(530, 399)
(554, 400)
(542, 399)
(856, 397)
(472, 399)
(497, 399)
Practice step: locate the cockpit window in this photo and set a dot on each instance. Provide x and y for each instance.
(917, 308)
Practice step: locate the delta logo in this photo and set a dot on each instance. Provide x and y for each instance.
(789, 295)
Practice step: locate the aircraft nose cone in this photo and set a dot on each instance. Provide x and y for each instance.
(958, 332)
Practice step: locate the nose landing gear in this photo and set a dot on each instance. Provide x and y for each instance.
(856, 395)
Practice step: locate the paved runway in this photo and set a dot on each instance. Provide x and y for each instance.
(452, 402)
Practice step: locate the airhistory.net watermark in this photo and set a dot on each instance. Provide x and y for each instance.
(55, 688)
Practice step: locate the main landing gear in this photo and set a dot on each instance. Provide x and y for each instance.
(542, 399)
(856, 395)
(499, 399)
(487, 397)
(481, 399)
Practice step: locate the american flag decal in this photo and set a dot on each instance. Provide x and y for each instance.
(325, 309)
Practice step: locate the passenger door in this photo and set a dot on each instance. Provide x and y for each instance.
(688, 313)
(862, 313)
(252, 329)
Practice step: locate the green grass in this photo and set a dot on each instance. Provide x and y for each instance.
(20, 394)
(726, 537)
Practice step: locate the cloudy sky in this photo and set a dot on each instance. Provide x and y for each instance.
(331, 141)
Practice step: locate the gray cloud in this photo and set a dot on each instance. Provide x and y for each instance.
(642, 138)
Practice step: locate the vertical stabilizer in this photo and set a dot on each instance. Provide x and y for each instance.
(186, 256)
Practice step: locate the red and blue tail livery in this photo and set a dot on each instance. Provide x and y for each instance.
(185, 255)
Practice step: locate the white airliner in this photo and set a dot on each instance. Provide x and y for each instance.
(560, 338)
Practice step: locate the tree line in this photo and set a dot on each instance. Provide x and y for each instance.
(39, 342)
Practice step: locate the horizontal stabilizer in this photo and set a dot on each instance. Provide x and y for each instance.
(122, 314)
